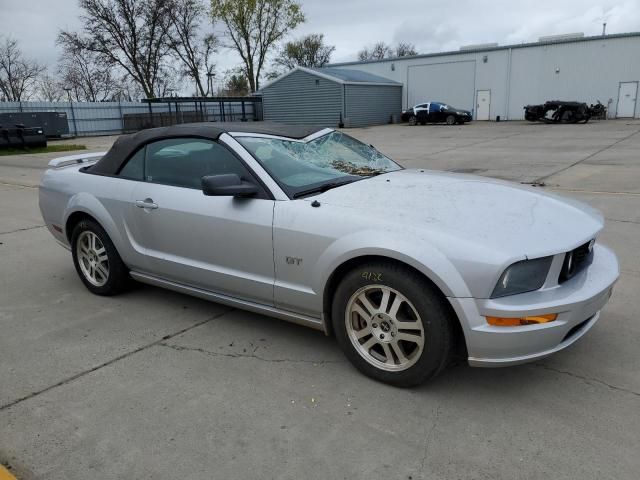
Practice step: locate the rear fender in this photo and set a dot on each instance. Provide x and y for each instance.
(87, 203)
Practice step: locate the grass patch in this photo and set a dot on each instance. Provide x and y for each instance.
(64, 147)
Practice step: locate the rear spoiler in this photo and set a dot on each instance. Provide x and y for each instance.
(76, 159)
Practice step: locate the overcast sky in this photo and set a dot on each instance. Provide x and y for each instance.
(432, 25)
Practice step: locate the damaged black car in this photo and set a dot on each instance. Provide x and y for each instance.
(558, 111)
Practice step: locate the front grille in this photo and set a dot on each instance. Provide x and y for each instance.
(575, 261)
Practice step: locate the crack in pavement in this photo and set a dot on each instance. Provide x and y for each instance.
(111, 362)
(428, 438)
(594, 192)
(181, 348)
(21, 185)
(22, 229)
(604, 149)
(621, 221)
(588, 380)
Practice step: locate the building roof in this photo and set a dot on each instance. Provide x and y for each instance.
(340, 75)
(247, 98)
(480, 48)
(127, 145)
(352, 76)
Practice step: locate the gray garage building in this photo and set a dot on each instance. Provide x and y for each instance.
(331, 97)
(493, 80)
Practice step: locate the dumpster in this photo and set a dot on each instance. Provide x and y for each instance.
(19, 136)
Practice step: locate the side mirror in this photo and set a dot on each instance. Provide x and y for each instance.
(227, 185)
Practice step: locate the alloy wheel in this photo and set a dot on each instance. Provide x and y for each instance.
(92, 258)
(384, 327)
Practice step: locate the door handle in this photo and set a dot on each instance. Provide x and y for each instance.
(147, 203)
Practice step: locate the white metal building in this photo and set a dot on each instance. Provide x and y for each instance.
(493, 80)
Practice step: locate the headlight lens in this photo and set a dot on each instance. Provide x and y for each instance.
(521, 277)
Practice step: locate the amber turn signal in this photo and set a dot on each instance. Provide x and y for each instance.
(517, 322)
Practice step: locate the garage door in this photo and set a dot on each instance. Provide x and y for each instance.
(452, 83)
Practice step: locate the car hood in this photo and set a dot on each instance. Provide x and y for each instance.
(455, 210)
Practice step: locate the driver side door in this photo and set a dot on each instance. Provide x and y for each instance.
(219, 243)
(422, 112)
(435, 115)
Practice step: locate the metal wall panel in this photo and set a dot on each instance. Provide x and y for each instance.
(589, 70)
(305, 99)
(371, 104)
(451, 83)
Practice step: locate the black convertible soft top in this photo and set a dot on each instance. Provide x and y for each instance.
(126, 145)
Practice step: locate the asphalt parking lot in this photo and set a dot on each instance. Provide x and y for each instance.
(153, 384)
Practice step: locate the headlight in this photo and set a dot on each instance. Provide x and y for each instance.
(521, 277)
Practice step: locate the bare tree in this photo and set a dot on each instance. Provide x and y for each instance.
(379, 51)
(131, 34)
(18, 75)
(84, 73)
(167, 82)
(309, 51)
(187, 43)
(254, 27)
(50, 88)
(404, 49)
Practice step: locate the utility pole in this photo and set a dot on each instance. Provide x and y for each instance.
(210, 76)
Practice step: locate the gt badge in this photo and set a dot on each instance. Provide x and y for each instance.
(293, 261)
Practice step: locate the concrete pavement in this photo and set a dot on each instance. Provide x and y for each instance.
(153, 384)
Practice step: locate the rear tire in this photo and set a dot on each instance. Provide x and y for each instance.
(392, 324)
(97, 261)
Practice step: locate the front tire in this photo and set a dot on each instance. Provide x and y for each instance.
(413, 120)
(392, 324)
(96, 259)
(451, 120)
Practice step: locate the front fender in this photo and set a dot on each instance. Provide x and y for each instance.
(424, 257)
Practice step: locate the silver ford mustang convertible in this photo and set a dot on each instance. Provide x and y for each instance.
(407, 268)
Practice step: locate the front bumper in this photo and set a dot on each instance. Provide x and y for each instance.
(577, 302)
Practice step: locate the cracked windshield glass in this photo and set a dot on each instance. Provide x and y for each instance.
(327, 160)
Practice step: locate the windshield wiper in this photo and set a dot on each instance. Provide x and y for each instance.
(322, 188)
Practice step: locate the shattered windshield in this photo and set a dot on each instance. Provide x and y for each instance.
(327, 161)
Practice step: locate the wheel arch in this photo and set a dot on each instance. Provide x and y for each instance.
(354, 262)
(87, 206)
(74, 219)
